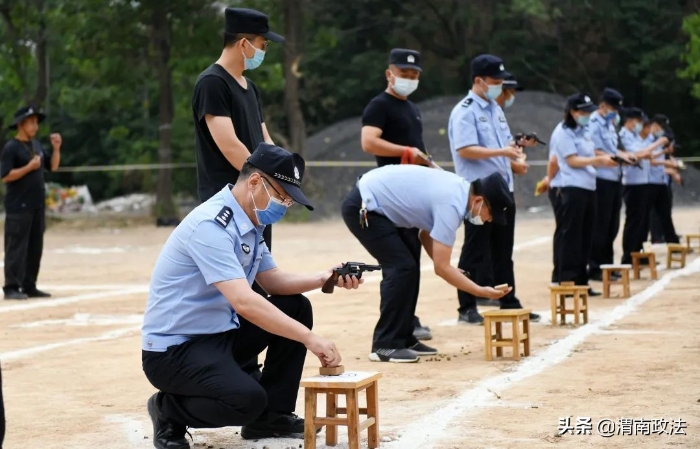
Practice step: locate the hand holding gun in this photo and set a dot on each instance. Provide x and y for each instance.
(528, 137)
(622, 161)
(350, 268)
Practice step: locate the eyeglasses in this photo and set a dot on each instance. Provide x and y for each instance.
(286, 201)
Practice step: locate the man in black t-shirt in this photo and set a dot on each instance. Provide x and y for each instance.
(22, 166)
(392, 129)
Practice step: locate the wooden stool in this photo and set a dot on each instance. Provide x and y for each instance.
(558, 295)
(348, 384)
(515, 317)
(689, 240)
(637, 267)
(676, 253)
(624, 269)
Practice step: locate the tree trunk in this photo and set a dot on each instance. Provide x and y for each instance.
(42, 80)
(161, 40)
(293, 47)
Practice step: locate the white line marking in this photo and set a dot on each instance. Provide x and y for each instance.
(426, 432)
(21, 353)
(45, 303)
(84, 319)
(89, 287)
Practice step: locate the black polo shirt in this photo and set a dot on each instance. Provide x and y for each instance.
(28, 192)
(399, 120)
(217, 93)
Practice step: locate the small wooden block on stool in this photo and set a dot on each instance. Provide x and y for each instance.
(331, 370)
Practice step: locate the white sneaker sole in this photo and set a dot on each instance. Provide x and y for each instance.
(375, 358)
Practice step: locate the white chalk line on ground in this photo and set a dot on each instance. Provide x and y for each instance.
(426, 432)
(45, 303)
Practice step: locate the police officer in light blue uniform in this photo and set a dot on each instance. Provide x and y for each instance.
(203, 321)
(661, 220)
(608, 182)
(575, 185)
(393, 198)
(636, 181)
(481, 144)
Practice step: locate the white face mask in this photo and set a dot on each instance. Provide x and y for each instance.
(404, 86)
(475, 219)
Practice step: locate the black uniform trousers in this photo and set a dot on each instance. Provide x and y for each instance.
(577, 211)
(554, 195)
(202, 383)
(2, 413)
(661, 219)
(398, 252)
(487, 257)
(24, 245)
(607, 223)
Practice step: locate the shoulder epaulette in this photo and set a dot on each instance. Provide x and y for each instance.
(223, 218)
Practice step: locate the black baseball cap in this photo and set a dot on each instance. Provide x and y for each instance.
(495, 191)
(661, 120)
(580, 102)
(24, 113)
(634, 113)
(511, 83)
(286, 167)
(405, 59)
(611, 97)
(489, 65)
(249, 21)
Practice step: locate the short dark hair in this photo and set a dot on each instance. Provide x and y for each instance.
(247, 170)
(231, 38)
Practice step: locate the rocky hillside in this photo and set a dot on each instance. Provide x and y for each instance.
(532, 112)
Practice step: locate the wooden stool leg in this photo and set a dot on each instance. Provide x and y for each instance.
(584, 299)
(373, 412)
(553, 305)
(331, 412)
(652, 266)
(526, 331)
(669, 258)
(499, 336)
(488, 337)
(562, 307)
(577, 310)
(309, 418)
(353, 419)
(682, 259)
(516, 338)
(626, 282)
(606, 283)
(635, 265)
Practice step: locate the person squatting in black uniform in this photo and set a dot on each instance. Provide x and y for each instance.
(22, 166)
(391, 126)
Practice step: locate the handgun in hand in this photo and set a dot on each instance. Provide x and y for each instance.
(349, 268)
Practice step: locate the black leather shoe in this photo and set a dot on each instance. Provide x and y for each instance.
(592, 292)
(14, 294)
(275, 425)
(166, 435)
(36, 293)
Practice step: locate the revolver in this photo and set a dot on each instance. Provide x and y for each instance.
(352, 268)
(518, 137)
(621, 161)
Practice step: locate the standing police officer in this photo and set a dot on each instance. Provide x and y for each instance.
(391, 126)
(481, 144)
(608, 182)
(22, 166)
(203, 321)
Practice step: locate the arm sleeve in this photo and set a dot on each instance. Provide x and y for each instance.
(7, 161)
(212, 249)
(374, 115)
(596, 137)
(628, 142)
(446, 222)
(267, 262)
(565, 145)
(211, 97)
(465, 134)
(257, 96)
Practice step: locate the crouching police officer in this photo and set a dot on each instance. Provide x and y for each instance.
(392, 198)
(203, 320)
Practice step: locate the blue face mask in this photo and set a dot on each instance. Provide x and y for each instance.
(509, 102)
(493, 91)
(610, 116)
(659, 134)
(475, 218)
(638, 128)
(583, 120)
(256, 60)
(274, 211)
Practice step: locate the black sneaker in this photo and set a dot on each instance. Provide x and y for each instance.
(423, 349)
(596, 276)
(403, 355)
(275, 425)
(166, 435)
(471, 316)
(15, 294)
(534, 317)
(592, 292)
(422, 333)
(36, 293)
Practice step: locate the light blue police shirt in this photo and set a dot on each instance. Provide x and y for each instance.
(657, 173)
(631, 175)
(478, 122)
(566, 142)
(215, 242)
(414, 196)
(604, 139)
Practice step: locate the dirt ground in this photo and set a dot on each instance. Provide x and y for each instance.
(72, 372)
